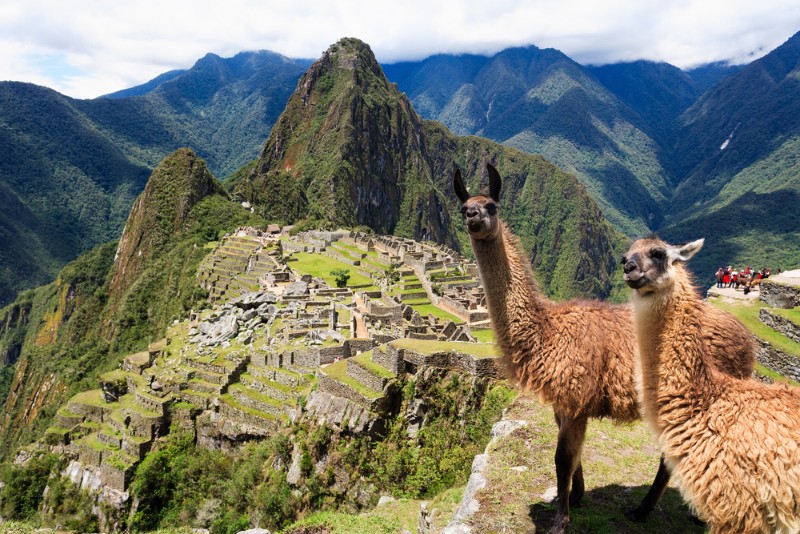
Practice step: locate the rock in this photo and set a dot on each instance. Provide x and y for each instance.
(470, 505)
(254, 299)
(254, 531)
(385, 499)
(296, 289)
(505, 427)
(294, 474)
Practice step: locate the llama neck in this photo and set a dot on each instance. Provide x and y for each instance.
(512, 294)
(673, 371)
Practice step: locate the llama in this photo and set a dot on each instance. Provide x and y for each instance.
(732, 445)
(578, 355)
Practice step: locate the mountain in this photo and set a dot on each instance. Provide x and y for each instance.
(70, 169)
(147, 87)
(113, 299)
(346, 137)
(740, 174)
(350, 150)
(542, 102)
(65, 186)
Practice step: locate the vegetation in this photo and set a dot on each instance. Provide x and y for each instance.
(341, 276)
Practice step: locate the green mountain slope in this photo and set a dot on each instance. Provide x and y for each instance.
(113, 299)
(70, 169)
(740, 176)
(542, 102)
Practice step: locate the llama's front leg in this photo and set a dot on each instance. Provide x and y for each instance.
(651, 499)
(568, 456)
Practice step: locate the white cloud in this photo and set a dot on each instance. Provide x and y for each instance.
(86, 48)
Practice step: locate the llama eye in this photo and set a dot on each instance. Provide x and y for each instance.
(658, 253)
(491, 209)
(463, 210)
(623, 260)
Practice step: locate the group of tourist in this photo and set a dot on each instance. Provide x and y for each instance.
(729, 277)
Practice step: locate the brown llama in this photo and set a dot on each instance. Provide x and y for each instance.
(578, 355)
(732, 445)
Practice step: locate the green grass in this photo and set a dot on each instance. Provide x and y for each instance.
(792, 314)
(365, 360)
(424, 346)
(619, 463)
(93, 397)
(321, 267)
(431, 309)
(338, 371)
(484, 336)
(748, 315)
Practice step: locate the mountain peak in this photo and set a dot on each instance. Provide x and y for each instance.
(176, 185)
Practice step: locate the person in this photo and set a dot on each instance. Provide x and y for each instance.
(720, 274)
(726, 276)
(734, 277)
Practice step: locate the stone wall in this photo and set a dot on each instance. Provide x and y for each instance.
(373, 382)
(337, 389)
(778, 361)
(390, 358)
(466, 363)
(779, 295)
(780, 324)
(242, 417)
(356, 345)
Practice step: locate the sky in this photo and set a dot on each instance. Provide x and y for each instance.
(87, 48)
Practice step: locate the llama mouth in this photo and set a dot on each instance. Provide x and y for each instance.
(635, 283)
(474, 227)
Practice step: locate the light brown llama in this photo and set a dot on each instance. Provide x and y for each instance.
(578, 355)
(732, 445)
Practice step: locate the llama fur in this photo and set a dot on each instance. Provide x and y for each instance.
(733, 446)
(576, 355)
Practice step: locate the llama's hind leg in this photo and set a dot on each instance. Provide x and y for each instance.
(578, 488)
(571, 433)
(650, 500)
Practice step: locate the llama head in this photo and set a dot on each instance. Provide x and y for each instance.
(649, 263)
(480, 211)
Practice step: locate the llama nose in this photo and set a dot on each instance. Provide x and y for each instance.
(630, 267)
(471, 212)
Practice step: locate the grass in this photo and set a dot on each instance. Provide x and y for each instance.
(93, 397)
(396, 516)
(484, 336)
(321, 266)
(748, 315)
(479, 350)
(431, 309)
(338, 371)
(619, 463)
(365, 360)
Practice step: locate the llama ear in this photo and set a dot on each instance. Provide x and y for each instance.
(460, 188)
(495, 182)
(685, 252)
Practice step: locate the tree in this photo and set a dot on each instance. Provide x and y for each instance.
(341, 276)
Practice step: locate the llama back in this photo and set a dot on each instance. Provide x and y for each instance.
(739, 461)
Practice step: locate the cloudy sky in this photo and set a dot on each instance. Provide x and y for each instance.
(86, 48)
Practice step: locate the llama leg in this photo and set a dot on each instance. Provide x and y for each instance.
(576, 493)
(568, 454)
(650, 500)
